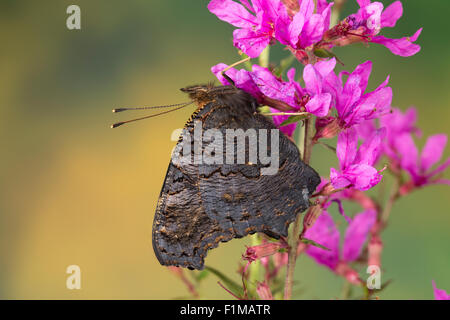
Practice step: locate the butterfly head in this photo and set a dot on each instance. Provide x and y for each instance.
(226, 95)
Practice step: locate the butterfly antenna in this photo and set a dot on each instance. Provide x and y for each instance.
(147, 108)
(118, 124)
(231, 66)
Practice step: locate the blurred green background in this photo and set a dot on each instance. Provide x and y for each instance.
(73, 191)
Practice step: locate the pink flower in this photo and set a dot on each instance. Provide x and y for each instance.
(397, 124)
(256, 22)
(306, 27)
(439, 294)
(356, 165)
(325, 232)
(242, 79)
(261, 82)
(421, 169)
(366, 24)
(311, 99)
(353, 106)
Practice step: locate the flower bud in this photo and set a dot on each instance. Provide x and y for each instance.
(262, 250)
(263, 291)
(327, 128)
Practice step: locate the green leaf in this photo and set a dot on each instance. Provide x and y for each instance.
(313, 243)
(293, 119)
(199, 276)
(324, 53)
(230, 284)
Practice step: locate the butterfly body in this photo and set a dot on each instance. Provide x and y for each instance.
(203, 204)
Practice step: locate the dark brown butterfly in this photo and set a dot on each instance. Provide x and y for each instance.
(203, 204)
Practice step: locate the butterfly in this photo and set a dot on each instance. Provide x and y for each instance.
(203, 204)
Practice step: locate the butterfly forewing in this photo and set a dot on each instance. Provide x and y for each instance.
(202, 204)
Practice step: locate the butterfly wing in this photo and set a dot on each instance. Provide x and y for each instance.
(182, 231)
(203, 204)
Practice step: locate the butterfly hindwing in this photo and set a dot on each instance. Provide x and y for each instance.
(182, 231)
(203, 204)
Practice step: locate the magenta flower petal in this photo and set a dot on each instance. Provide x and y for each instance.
(409, 155)
(396, 122)
(371, 14)
(242, 79)
(391, 14)
(312, 78)
(404, 47)
(250, 41)
(232, 12)
(363, 71)
(273, 8)
(326, 13)
(351, 93)
(346, 147)
(324, 67)
(295, 28)
(270, 86)
(370, 150)
(440, 168)
(356, 166)
(307, 8)
(324, 232)
(319, 105)
(312, 31)
(371, 106)
(217, 70)
(362, 176)
(338, 180)
(356, 234)
(432, 152)
(439, 294)
(363, 3)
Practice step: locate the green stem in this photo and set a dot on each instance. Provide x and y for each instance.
(346, 290)
(254, 269)
(294, 235)
(309, 128)
(292, 257)
(390, 203)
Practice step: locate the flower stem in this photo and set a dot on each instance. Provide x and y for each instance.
(304, 144)
(255, 267)
(292, 257)
(390, 203)
(309, 127)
